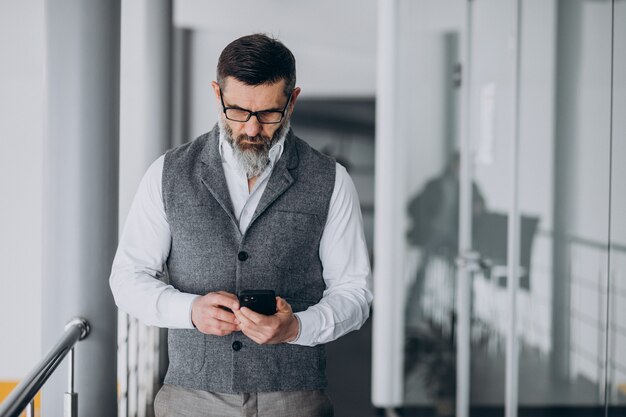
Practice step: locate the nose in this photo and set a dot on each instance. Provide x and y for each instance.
(253, 127)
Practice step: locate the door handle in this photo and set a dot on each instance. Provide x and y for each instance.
(473, 262)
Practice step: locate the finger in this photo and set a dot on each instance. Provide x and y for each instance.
(225, 299)
(254, 332)
(253, 316)
(222, 315)
(244, 321)
(228, 294)
(218, 328)
(208, 319)
(282, 306)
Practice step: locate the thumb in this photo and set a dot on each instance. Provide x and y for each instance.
(282, 305)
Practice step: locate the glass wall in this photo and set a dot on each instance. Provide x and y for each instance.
(511, 148)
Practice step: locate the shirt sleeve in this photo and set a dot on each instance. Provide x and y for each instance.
(140, 258)
(345, 304)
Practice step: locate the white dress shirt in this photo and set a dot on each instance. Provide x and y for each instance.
(145, 244)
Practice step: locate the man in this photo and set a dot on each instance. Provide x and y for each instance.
(246, 206)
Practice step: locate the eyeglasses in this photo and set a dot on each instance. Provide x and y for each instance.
(266, 117)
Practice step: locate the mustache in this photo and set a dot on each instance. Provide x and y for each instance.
(258, 143)
(260, 139)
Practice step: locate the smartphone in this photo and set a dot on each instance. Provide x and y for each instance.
(261, 301)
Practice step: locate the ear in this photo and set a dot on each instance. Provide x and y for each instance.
(294, 97)
(216, 90)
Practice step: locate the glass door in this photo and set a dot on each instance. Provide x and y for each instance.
(486, 356)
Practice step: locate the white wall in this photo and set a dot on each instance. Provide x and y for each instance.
(21, 140)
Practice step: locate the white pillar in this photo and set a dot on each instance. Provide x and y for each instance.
(145, 128)
(81, 195)
(145, 134)
(388, 333)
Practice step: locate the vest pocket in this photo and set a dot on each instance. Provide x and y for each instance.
(295, 242)
(300, 367)
(186, 349)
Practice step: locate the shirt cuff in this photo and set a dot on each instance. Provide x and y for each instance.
(179, 309)
(307, 323)
(295, 340)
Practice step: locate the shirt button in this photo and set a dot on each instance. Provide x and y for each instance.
(237, 345)
(242, 256)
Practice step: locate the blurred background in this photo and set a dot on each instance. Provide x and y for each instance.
(486, 140)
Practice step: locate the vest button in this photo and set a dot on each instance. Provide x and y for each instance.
(242, 256)
(237, 345)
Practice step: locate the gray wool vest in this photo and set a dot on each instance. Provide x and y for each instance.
(279, 251)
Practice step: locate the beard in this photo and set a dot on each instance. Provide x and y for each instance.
(252, 153)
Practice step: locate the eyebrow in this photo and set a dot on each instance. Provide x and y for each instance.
(235, 106)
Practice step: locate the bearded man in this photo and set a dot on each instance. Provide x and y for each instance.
(247, 206)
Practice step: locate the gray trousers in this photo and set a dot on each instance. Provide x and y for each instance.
(174, 401)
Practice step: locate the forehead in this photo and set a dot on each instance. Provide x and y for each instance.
(253, 97)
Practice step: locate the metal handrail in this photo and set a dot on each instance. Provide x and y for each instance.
(23, 395)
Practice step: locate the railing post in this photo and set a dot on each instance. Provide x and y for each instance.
(30, 409)
(70, 400)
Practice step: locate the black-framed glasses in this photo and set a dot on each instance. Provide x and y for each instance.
(266, 117)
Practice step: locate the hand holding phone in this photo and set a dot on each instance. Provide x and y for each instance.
(260, 301)
(280, 327)
(209, 317)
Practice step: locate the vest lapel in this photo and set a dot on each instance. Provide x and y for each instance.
(281, 178)
(212, 175)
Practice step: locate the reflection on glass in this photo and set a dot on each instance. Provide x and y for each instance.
(434, 220)
(571, 301)
(429, 55)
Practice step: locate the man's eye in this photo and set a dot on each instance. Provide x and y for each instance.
(237, 114)
(270, 116)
